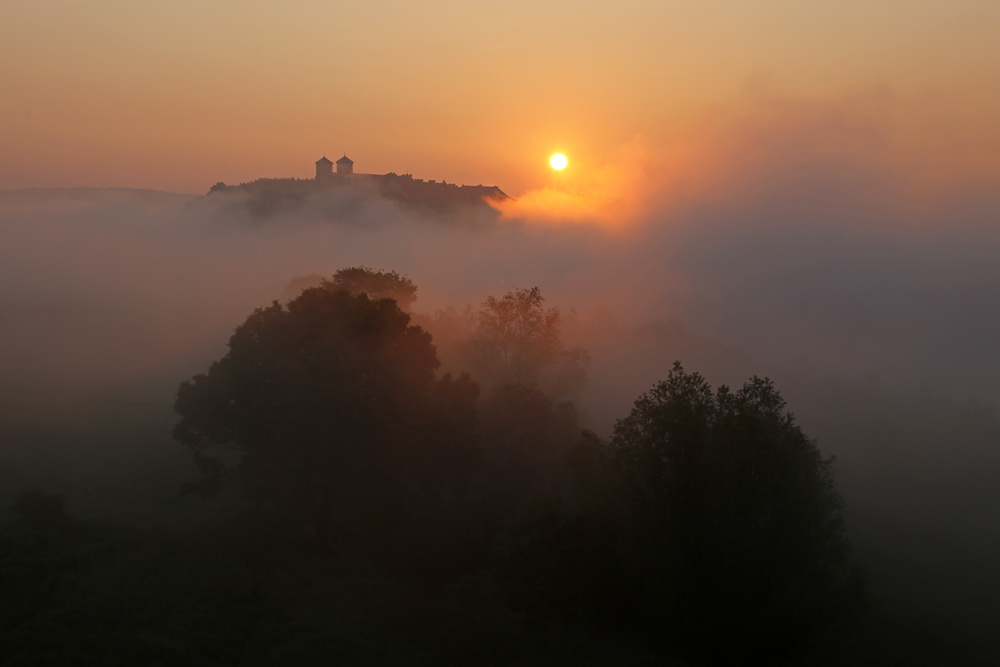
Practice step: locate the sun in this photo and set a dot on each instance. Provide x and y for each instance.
(558, 161)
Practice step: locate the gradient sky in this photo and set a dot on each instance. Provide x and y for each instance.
(176, 96)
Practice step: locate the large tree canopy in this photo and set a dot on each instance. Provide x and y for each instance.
(739, 522)
(326, 400)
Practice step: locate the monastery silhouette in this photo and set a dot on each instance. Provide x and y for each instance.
(404, 186)
(268, 196)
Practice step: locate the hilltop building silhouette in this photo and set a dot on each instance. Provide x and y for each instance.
(345, 166)
(404, 187)
(270, 195)
(324, 168)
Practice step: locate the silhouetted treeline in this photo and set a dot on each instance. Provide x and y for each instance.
(709, 525)
(356, 506)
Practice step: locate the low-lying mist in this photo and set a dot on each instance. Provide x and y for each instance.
(796, 247)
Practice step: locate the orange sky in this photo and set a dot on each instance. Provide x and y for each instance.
(176, 96)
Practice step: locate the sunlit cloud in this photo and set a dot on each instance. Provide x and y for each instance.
(612, 193)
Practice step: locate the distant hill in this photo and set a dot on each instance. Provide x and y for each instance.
(268, 196)
(92, 196)
(336, 196)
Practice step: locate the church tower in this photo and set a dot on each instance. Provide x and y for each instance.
(345, 166)
(324, 170)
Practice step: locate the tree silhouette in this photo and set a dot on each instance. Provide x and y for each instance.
(518, 341)
(741, 538)
(526, 437)
(379, 284)
(332, 407)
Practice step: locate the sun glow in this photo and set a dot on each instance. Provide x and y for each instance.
(558, 161)
(611, 192)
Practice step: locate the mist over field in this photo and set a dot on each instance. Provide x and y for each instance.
(812, 259)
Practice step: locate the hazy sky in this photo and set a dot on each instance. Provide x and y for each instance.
(179, 95)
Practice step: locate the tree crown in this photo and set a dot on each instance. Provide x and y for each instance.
(519, 341)
(739, 516)
(378, 284)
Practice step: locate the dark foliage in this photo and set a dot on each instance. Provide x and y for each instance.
(740, 540)
(379, 284)
(526, 436)
(41, 511)
(519, 341)
(332, 410)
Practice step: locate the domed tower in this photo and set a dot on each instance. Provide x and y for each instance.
(324, 170)
(345, 166)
